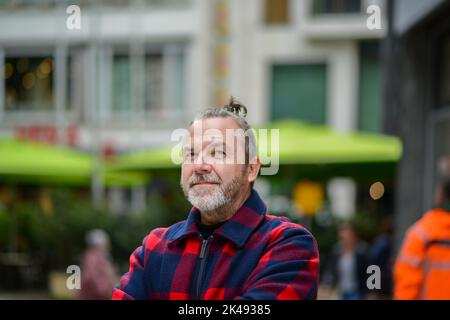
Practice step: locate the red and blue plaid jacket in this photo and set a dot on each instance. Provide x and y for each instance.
(251, 256)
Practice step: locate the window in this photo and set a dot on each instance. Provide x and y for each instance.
(154, 82)
(299, 91)
(164, 80)
(336, 6)
(75, 74)
(370, 87)
(29, 83)
(175, 81)
(161, 88)
(33, 82)
(121, 86)
(276, 11)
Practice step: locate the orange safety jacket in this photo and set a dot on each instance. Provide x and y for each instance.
(422, 269)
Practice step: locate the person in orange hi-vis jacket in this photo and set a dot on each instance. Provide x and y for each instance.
(422, 269)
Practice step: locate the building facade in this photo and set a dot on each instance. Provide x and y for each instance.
(136, 70)
(417, 102)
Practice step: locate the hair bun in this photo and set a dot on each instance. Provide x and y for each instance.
(235, 107)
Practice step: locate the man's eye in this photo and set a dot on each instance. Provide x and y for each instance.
(217, 153)
(189, 155)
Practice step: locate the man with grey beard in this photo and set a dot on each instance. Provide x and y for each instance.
(229, 247)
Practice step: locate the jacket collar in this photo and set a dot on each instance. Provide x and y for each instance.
(237, 229)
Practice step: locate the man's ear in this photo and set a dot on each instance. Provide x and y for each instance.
(253, 170)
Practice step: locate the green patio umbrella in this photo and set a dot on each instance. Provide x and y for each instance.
(299, 144)
(38, 163)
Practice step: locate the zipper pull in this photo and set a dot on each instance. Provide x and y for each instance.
(203, 249)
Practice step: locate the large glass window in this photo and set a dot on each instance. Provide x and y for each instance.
(370, 87)
(29, 83)
(164, 79)
(176, 80)
(121, 84)
(154, 82)
(336, 6)
(299, 91)
(160, 71)
(75, 74)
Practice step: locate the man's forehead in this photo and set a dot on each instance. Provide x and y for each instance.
(205, 139)
(211, 130)
(221, 124)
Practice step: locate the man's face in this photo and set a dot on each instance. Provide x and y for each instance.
(211, 175)
(347, 235)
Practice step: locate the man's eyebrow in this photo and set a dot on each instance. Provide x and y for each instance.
(188, 148)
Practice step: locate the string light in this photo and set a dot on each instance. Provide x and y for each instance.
(376, 190)
(28, 80)
(9, 70)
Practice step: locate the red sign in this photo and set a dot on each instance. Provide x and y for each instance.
(47, 133)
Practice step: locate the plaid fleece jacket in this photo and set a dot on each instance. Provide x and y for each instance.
(251, 256)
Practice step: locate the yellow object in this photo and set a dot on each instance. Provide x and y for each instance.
(308, 197)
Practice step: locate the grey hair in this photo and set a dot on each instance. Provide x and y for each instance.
(237, 112)
(96, 237)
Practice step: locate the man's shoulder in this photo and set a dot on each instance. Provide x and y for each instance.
(280, 226)
(283, 222)
(283, 235)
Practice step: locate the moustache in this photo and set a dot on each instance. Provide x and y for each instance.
(195, 179)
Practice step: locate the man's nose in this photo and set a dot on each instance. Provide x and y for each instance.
(200, 165)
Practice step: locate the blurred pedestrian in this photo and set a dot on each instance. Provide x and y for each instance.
(380, 254)
(422, 269)
(346, 270)
(98, 275)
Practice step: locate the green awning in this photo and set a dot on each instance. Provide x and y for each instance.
(158, 158)
(299, 143)
(28, 162)
(312, 144)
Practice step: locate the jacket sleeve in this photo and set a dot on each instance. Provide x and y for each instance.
(408, 273)
(289, 268)
(132, 285)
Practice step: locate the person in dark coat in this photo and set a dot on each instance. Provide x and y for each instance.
(347, 265)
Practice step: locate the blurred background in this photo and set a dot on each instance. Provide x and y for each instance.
(86, 117)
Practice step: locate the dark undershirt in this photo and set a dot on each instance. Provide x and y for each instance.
(207, 230)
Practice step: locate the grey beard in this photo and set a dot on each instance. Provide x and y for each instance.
(209, 202)
(218, 204)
